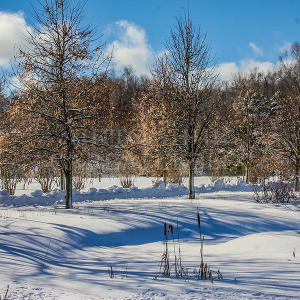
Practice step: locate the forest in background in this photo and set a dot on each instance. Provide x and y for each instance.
(68, 115)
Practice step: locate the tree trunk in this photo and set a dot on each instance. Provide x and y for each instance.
(165, 177)
(191, 180)
(247, 172)
(297, 175)
(68, 198)
(62, 180)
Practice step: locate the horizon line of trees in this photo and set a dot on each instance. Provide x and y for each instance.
(71, 115)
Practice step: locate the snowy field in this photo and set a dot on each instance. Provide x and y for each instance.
(47, 252)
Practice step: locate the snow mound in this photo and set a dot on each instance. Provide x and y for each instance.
(56, 197)
(265, 244)
(220, 186)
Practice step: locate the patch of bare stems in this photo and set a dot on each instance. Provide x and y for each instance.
(274, 192)
(5, 295)
(172, 241)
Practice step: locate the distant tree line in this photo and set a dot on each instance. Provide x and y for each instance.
(72, 117)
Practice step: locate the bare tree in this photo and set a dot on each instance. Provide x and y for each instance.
(58, 105)
(183, 96)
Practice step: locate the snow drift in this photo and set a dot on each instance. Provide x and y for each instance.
(56, 197)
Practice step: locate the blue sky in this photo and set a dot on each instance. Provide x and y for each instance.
(242, 33)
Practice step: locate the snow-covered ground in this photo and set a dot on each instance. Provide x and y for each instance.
(47, 252)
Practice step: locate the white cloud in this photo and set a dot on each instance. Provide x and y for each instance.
(262, 66)
(255, 48)
(228, 70)
(131, 48)
(13, 29)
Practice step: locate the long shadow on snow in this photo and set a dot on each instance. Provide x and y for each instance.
(144, 227)
(147, 227)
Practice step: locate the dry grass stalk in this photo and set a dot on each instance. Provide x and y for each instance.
(165, 259)
(181, 270)
(110, 272)
(203, 272)
(202, 266)
(174, 248)
(5, 294)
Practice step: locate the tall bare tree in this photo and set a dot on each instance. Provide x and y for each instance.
(183, 90)
(58, 72)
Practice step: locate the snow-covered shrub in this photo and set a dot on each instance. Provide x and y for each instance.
(127, 170)
(10, 176)
(274, 192)
(45, 175)
(79, 182)
(126, 182)
(80, 175)
(169, 176)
